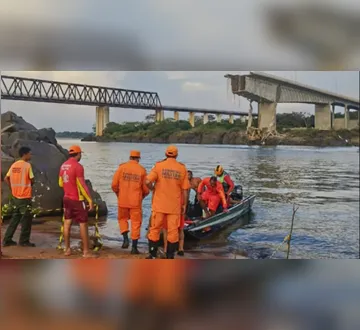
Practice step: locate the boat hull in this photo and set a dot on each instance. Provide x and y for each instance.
(203, 229)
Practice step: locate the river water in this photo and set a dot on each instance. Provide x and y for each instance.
(323, 182)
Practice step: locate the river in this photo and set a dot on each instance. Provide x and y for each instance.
(324, 182)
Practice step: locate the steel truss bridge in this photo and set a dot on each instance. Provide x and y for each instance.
(40, 90)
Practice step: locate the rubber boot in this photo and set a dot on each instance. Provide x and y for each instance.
(171, 249)
(134, 249)
(153, 246)
(126, 242)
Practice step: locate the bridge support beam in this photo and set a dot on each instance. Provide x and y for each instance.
(205, 118)
(218, 118)
(323, 117)
(192, 119)
(231, 119)
(346, 117)
(102, 119)
(267, 116)
(159, 115)
(354, 123)
(176, 115)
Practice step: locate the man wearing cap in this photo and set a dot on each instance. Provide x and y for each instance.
(72, 180)
(171, 188)
(129, 186)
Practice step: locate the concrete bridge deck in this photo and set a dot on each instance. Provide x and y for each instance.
(269, 90)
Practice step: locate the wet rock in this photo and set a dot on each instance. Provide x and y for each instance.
(89, 138)
(47, 158)
(19, 124)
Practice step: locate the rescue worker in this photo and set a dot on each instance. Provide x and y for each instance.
(72, 180)
(171, 181)
(211, 197)
(20, 179)
(225, 179)
(129, 186)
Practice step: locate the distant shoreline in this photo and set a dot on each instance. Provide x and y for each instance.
(72, 135)
(311, 138)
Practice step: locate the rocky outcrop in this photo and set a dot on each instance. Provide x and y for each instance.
(47, 157)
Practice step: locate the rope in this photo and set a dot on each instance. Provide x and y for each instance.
(286, 240)
(98, 244)
(59, 247)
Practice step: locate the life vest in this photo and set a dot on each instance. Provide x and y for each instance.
(20, 173)
(221, 179)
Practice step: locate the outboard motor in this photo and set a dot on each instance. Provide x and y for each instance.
(237, 193)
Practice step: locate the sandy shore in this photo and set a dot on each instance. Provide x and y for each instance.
(46, 235)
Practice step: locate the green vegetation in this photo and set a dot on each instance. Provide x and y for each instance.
(294, 129)
(168, 127)
(72, 135)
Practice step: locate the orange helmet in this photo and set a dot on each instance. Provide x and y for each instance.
(219, 170)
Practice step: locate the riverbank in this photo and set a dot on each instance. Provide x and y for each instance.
(295, 137)
(46, 237)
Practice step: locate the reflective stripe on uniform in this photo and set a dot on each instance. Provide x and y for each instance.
(23, 177)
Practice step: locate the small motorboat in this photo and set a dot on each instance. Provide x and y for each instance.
(198, 228)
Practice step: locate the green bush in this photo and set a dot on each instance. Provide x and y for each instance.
(164, 129)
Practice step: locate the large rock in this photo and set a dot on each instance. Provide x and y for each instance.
(47, 158)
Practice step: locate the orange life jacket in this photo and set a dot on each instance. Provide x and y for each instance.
(20, 174)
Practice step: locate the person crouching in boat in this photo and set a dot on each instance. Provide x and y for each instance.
(210, 194)
(194, 209)
(225, 179)
(194, 182)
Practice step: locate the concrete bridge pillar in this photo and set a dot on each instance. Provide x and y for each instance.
(323, 116)
(176, 115)
(346, 117)
(267, 116)
(192, 119)
(218, 117)
(231, 119)
(205, 118)
(102, 119)
(159, 115)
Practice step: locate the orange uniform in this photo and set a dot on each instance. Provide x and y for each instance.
(129, 185)
(182, 217)
(212, 195)
(21, 174)
(171, 179)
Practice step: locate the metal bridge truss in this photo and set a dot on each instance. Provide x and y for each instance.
(37, 90)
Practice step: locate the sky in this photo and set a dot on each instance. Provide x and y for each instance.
(182, 36)
(207, 89)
